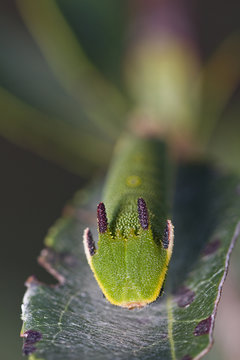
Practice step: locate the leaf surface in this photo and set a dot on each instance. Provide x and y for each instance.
(74, 321)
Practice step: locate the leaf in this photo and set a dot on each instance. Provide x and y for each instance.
(73, 321)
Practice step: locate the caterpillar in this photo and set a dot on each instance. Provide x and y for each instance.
(135, 235)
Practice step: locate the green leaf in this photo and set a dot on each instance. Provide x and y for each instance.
(73, 321)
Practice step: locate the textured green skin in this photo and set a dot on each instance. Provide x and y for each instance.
(146, 159)
(130, 262)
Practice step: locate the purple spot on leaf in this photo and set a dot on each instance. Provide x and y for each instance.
(102, 218)
(143, 213)
(32, 336)
(187, 357)
(185, 297)
(212, 247)
(28, 349)
(203, 327)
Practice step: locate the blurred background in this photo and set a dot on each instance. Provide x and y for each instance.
(71, 75)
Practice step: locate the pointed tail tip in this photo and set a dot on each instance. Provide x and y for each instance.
(102, 218)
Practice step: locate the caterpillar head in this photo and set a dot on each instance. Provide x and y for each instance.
(129, 266)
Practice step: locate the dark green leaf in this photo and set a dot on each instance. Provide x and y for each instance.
(75, 322)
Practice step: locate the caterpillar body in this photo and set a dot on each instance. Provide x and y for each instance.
(135, 235)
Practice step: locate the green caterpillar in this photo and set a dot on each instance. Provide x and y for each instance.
(135, 237)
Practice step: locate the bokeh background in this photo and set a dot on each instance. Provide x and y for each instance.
(51, 138)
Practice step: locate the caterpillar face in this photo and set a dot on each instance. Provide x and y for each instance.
(135, 237)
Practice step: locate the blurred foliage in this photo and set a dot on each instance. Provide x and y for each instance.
(75, 53)
(74, 146)
(72, 101)
(46, 109)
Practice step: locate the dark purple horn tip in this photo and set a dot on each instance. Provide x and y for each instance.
(143, 213)
(166, 235)
(90, 242)
(102, 218)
